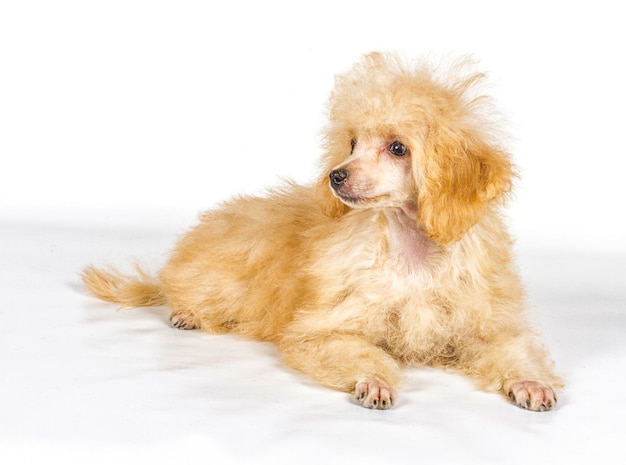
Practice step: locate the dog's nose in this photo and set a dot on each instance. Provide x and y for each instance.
(338, 178)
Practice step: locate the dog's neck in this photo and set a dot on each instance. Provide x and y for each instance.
(407, 241)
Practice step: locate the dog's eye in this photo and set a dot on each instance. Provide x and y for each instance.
(398, 149)
(352, 145)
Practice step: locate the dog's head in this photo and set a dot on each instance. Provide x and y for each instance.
(398, 136)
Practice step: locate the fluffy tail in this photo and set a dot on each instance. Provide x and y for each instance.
(129, 291)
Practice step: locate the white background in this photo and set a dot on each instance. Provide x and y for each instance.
(120, 120)
(179, 104)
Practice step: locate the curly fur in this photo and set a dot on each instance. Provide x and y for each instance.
(406, 261)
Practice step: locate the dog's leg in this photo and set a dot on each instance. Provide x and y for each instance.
(345, 362)
(517, 367)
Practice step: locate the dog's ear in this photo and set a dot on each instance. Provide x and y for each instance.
(461, 174)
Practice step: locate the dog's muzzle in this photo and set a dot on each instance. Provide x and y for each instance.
(338, 178)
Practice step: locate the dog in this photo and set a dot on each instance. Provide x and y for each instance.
(397, 255)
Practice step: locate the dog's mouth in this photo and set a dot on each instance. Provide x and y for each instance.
(362, 196)
(360, 201)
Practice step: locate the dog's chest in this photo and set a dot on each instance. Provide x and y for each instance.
(417, 324)
(422, 321)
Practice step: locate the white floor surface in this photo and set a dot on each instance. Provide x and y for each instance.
(85, 383)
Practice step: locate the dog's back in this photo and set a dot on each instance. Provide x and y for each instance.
(239, 270)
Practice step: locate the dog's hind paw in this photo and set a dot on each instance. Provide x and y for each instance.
(183, 320)
(373, 393)
(532, 395)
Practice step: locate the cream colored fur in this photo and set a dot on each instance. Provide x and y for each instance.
(404, 262)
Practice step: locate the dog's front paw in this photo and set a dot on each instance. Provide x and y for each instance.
(374, 394)
(532, 395)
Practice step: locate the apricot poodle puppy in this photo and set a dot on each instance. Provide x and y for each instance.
(397, 256)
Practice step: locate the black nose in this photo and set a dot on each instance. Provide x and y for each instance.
(338, 178)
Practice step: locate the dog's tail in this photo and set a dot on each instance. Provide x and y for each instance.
(141, 290)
